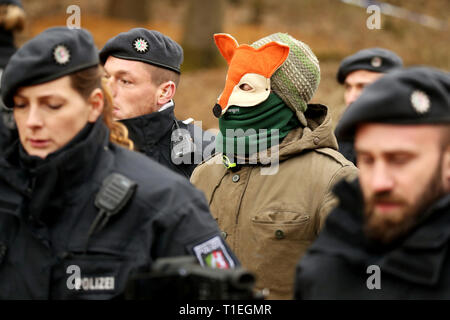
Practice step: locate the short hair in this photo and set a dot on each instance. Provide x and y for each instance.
(445, 137)
(161, 75)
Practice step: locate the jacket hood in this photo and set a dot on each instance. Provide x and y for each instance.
(7, 45)
(317, 134)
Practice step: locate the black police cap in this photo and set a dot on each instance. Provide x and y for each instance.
(372, 59)
(417, 95)
(144, 45)
(54, 53)
(17, 3)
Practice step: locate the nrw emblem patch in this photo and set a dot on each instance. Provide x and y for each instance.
(214, 254)
(141, 45)
(61, 54)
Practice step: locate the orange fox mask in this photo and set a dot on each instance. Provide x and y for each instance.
(250, 66)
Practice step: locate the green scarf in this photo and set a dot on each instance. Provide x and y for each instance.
(254, 129)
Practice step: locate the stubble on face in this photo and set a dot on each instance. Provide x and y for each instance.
(132, 88)
(386, 228)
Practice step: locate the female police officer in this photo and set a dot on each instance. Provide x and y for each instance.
(78, 213)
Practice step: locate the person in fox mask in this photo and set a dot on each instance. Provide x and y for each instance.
(269, 188)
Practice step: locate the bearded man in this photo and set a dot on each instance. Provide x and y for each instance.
(388, 237)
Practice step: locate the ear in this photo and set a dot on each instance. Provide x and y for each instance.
(96, 101)
(165, 92)
(274, 54)
(226, 44)
(446, 169)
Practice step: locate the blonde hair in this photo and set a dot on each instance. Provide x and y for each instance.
(160, 75)
(12, 18)
(87, 80)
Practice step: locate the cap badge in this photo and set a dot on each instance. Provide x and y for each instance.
(376, 62)
(420, 101)
(61, 54)
(141, 45)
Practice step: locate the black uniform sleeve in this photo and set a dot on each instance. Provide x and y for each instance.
(191, 230)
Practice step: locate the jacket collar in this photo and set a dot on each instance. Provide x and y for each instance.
(147, 130)
(7, 45)
(421, 256)
(417, 258)
(76, 159)
(47, 180)
(318, 134)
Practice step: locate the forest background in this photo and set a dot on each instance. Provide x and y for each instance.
(333, 29)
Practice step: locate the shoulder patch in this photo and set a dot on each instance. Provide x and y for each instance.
(214, 254)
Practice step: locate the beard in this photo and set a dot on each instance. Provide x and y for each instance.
(386, 228)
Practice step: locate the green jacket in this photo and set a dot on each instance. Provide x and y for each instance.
(269, 220)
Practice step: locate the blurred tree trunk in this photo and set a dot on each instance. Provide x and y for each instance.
(203, 19)
(132, 9)
(257, 12)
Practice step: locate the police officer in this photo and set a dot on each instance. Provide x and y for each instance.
(12, 19)
(79, 214)
(388, 238)
(143, 71)
(358, 71)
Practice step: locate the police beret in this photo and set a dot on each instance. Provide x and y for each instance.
(54, 53)
(144, 45)
(17, 3)
(373, 59)
(7, 47)
(418, 95)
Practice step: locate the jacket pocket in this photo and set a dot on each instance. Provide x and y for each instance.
(276, 224)
(280, 239)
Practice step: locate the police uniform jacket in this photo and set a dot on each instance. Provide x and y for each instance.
(347, 150)
(7, 45)
(6, 51)
(48, 206)
(269, 220)
(344, 264)
(152, 135)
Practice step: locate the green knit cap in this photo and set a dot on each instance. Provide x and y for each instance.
(298, 78)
